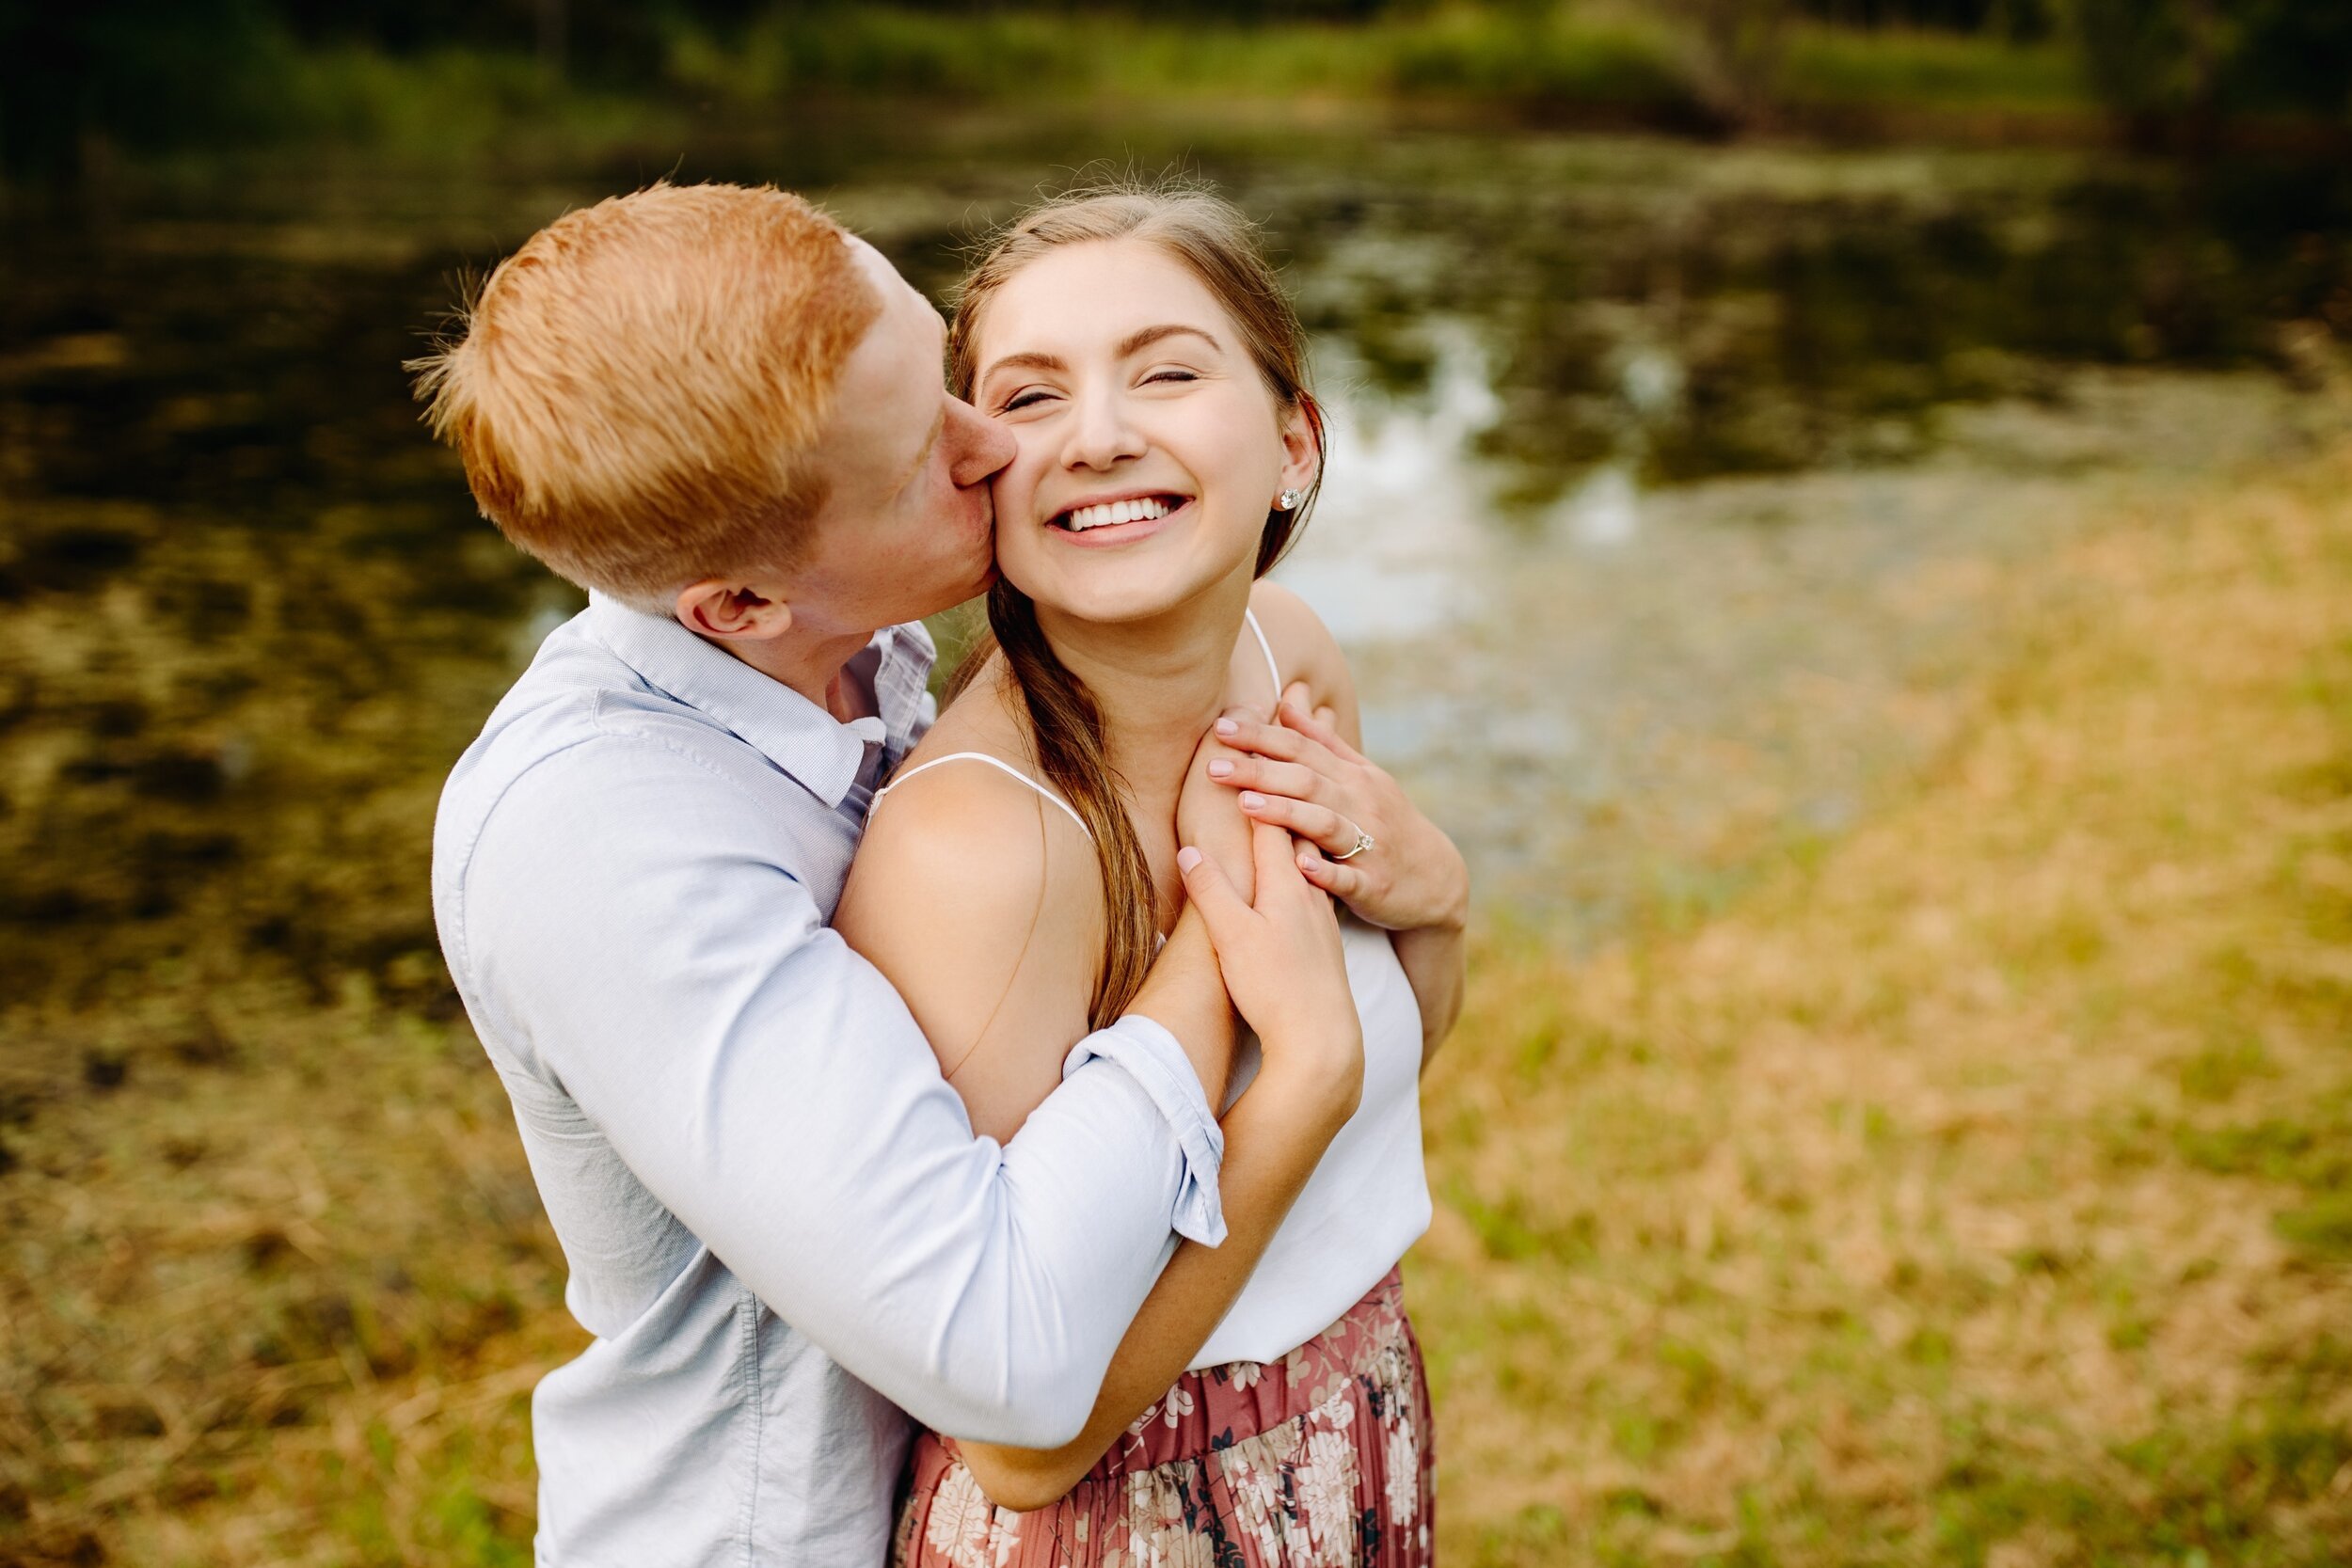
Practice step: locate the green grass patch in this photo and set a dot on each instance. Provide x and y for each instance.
(1898, 69)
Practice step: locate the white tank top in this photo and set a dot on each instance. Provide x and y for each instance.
(1369, 1197)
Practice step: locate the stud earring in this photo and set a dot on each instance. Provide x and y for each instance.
(1286, 500)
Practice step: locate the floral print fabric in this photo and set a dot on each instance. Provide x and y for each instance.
(1320, 1459)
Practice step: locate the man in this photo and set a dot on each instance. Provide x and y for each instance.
(723, 416)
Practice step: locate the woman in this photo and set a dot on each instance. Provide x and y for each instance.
(1138, 349)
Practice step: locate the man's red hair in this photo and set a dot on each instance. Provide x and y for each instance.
(638, 388)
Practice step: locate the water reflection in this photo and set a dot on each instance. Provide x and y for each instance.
(1605, 509)
(1401, 534)
(1656, 469)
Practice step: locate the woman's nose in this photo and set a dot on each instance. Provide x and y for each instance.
(1100, 434)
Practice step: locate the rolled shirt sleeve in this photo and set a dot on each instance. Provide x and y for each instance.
(1159, 1067)
(628, 924)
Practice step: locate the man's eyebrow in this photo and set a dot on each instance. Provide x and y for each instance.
(1136, 341)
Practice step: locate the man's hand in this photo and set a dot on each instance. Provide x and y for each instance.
(1300, 775)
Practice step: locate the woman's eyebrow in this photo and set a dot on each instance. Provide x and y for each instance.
(1136, 341)
(1029, 361)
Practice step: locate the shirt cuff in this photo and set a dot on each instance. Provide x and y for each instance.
(1149, 1056)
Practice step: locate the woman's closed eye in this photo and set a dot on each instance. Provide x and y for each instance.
(1030, 397)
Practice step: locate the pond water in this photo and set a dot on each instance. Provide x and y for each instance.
(1666, 479)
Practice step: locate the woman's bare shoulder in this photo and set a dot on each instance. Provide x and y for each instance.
(1306, 650)
(955, 838)
(976, 896)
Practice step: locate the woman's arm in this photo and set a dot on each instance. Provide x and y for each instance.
(1277, 961)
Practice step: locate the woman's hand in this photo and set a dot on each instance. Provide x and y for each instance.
(1284, 968)
(1300, 775)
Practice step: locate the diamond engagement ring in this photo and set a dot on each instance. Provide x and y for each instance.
(1363, 842)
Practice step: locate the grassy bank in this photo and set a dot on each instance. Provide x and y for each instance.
(1983, 1194)
(1976, 1191)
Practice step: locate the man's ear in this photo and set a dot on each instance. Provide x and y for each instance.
(732, 610)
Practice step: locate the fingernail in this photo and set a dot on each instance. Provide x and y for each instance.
(1251, 799)
(1226, 727)
(1306, 863)
(1220, 770)
(1187, 858)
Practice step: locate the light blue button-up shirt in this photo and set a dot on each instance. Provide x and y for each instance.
(778, 1221)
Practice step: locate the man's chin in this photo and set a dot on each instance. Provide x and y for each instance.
(981, 584)
(973, 589)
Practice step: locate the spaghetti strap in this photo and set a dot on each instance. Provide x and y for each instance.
(997, 763)
(1273, 670)
(1267, 648)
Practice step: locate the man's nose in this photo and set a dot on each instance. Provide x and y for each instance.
(981, 445)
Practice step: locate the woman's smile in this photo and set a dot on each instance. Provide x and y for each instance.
(1099, 523)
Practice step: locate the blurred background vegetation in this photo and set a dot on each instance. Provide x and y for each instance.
(80, 84)
(1842, 508)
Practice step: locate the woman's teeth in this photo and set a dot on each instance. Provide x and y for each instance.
(1116, 512)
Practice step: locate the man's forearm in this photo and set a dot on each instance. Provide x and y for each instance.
(1436, 961)
(769, 1089)
(1275, 1136)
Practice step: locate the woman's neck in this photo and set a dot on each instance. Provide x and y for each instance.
(1157, 684)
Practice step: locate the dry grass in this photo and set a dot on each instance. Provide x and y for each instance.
(1979, 1190)
(1983, 1193)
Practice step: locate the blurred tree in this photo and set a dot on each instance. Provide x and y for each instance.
(2168, 65)
(1738, 44)
(2139, 53)
(2294, 52)
(76, 78)
(609, 41)
(2008, 19)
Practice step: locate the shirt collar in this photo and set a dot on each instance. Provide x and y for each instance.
(902, 679)
(799, 736)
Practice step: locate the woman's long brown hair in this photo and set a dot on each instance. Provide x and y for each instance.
(1219, 245)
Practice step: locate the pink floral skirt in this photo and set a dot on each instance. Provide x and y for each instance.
(1320, 1458)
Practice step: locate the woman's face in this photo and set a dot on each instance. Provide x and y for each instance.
(1147, 448)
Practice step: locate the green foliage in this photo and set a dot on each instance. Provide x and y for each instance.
(149, 76)
(1560, 57)
(2155, 57)
(1513, 54)
(1917, 69)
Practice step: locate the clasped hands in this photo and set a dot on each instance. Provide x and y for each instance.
(1299, 774)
